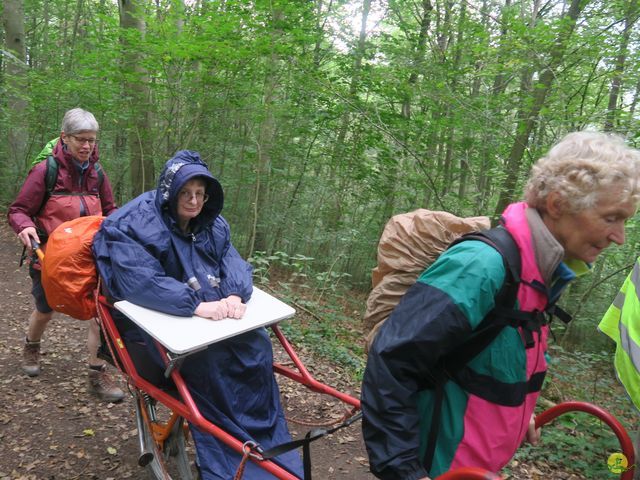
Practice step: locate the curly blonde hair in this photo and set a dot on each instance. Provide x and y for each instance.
(580, 166)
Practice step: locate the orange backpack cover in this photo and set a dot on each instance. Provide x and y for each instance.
(69, 275)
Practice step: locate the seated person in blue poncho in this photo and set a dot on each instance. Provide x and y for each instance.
(170, 250)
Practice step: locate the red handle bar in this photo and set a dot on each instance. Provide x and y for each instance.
(623, 437)
(469, 473)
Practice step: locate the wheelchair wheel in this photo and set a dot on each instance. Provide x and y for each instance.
(175, 452)
(170, 462)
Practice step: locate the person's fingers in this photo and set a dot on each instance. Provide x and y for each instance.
(25, 238)
(223, 310)
(238, 310)
(533, 434)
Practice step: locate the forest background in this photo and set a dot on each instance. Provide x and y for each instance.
(323, 118)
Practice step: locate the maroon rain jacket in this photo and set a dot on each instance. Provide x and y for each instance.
(73, 196)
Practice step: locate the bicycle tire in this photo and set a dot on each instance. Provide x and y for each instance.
(175, 452)
(173, 457)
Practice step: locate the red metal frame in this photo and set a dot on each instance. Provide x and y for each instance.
(623, 437)
(469, 473)
(187, 408)
(304, 377)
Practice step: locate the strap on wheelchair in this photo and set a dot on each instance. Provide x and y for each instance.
(305, 443)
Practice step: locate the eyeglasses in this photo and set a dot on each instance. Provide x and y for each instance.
(186, 196)
(82, 140)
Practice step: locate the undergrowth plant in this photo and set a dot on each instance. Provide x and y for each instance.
(328, 321)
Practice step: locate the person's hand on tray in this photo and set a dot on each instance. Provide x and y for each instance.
(235, 307)
(230, 307)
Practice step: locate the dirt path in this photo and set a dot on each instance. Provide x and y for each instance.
(52, 429)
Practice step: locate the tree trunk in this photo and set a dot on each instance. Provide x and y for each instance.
(76, 31)
(418, 59)
(616, 83)
(13, 165)
(632, 111)
(393, 167)
(174, 126)
(528, 116)
(338, 157)
(141, 160)
(265, 140)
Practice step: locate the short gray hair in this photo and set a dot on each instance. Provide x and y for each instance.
(582, 165)
(79, 120)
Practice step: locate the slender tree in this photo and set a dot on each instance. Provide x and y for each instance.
(136, 88)
(16, 104)
(530, 110)
(630, 18)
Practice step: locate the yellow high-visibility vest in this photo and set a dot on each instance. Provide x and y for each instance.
(622, 324)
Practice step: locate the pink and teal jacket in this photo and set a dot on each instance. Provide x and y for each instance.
(487, 408)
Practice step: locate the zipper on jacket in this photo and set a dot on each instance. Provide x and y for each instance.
(81, 179)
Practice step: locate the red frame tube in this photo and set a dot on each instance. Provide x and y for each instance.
(623, 437)
(187, 408)
(303, 376)
(469, 473)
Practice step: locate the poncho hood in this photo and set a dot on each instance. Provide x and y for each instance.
(184, 166)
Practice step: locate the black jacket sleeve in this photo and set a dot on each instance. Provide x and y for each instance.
(436, 314)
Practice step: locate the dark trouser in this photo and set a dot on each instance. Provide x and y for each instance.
(37, 291)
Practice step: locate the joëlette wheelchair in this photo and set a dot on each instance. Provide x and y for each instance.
(162, 440)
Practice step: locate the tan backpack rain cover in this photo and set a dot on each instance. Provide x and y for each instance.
(410, 243)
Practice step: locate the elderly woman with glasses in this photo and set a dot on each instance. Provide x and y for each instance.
(68, 183)
(170, 250)
(577, 200)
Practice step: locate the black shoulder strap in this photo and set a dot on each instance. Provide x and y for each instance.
(100, 173)
(505, 300)
(488, 329)
(50, 176)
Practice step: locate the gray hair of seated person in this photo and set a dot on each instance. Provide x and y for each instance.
(78, 120)
(581, 166)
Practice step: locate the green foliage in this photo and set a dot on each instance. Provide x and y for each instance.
(319, 132)
(322, 325)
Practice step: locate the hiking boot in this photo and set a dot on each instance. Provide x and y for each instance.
(31, 358)
(102, 385)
